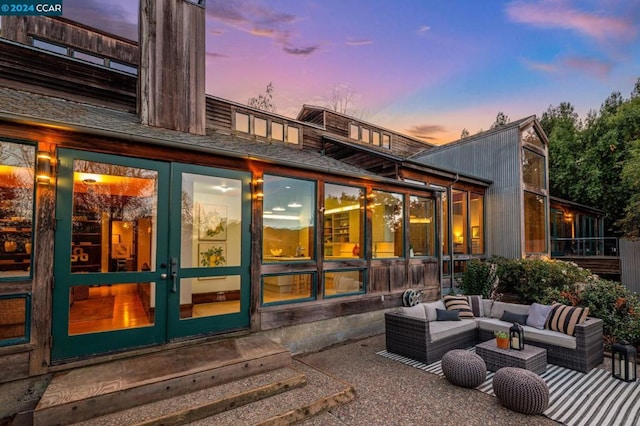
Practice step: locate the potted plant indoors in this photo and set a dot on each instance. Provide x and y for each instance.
(502, 339)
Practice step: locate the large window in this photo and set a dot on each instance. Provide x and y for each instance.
(421, 226)
(533, 170)
(534, 222)
(288, 219)
(387, 221)
(17, 167)
(343, 230)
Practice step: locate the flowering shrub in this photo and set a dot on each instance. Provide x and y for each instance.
(548, 281)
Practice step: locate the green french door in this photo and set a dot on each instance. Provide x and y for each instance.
(145, 252)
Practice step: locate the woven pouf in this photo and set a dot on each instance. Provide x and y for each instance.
(521, 390)
(464, 368)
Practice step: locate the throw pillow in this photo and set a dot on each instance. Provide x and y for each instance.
(416, 311)
(509, 316)
(538, 315)
(430, 309)
(564, 318)
(459, 303)
(477, 307)
(447, 315)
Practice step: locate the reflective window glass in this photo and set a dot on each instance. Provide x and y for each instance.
(421, 226)
(376, 139)
(211, 221)
(354, 131)
(287, 288)
(340, 283)
(242, 122)
(260, 127)
(533, 170)
(476, 218)
(343, 229)
(387, 224)
(386, 141)
(289, 207)
(114, 218)
(17, 170)
(277, 131)
(534, 223)
(459, 221)
(292, 134)
(366, 135)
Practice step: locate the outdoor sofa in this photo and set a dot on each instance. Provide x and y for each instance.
(415, 332)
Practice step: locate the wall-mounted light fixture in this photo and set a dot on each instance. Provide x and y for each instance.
(257, 188)
(43, 175)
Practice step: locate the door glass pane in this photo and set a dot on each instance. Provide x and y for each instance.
(17, 163)
(114, 218)
(111, 307)
(289, 207)
(209, 296)
(343, 230)
(211, 221)
(387, 223)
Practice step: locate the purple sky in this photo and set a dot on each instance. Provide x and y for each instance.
(426, 68)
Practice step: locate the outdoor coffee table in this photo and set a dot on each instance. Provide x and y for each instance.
(530, 358)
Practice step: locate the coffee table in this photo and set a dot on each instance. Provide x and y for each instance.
(530, 358)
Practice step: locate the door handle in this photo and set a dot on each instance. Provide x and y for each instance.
(173, 271)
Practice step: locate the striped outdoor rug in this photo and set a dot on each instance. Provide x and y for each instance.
(575, 398)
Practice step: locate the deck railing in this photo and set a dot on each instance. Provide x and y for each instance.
(593, 246)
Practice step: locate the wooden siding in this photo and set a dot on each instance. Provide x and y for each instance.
(218, 114)
(630, 264)
(70, 34)
(171, 90)
(26, 68)
(609, 265)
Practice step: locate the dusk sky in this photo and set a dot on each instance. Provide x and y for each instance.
(426, 68)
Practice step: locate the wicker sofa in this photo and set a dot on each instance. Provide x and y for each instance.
(419, 336)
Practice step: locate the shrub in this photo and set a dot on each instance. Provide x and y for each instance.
(478, 278)
(618, 307)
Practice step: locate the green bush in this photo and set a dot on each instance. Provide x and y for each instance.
(478, 278)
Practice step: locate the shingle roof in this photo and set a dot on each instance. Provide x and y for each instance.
(28, 107)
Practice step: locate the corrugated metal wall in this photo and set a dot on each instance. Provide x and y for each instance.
(630, 264)
(495, 157)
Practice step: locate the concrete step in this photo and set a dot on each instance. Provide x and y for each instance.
(88, 392)
(278, 397)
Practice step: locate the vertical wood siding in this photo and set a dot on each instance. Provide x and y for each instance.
(630, 264)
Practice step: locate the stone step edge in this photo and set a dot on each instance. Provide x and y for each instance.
(228, 403)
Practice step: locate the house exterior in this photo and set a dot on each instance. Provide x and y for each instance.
(139, 214)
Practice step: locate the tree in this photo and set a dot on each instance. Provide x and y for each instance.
(342, 100)
(464, 133)
(501, 120)
(597, 162)
(264, 101)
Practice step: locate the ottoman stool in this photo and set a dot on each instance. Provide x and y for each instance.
(521, 390)
(464, 368)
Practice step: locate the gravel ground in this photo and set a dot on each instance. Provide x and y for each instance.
(391, 393)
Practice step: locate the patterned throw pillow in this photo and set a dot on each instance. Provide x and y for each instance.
(565, 318)
(477, 307)
(460, 304)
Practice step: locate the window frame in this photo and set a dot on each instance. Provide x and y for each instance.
(27, 320)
